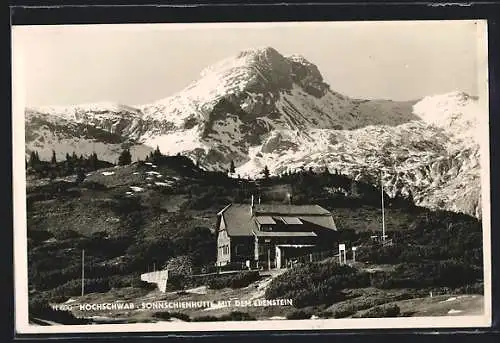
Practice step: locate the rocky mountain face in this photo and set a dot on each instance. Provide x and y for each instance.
(260, 108)
(78, 133)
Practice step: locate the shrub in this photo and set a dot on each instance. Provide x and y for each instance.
(299, 314)
(138, 283)
(233, 316)
(343, 313)
(382, 312)
(66, 234)
(180, 265)
(316, 283)
(162, 315)
(182, 316)
(205, 319)
(118, 281)
(39, 235)
(93, 185)
(237, 316)
(237, 280)
(424, 274)
(325, 314)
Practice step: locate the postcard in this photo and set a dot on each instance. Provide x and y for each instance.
(251, 176)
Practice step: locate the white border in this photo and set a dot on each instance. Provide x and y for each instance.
(22, 325)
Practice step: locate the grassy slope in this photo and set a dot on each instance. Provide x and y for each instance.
(167, 210)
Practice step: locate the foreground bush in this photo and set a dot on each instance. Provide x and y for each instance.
(213, 281)
(300, 314)
(238, 280)
(316, 283)
(233, 316)
(448, 273)
(170, 315)
(382, 312)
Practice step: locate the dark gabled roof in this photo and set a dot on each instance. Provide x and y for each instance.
(240, 222)
(238, 219)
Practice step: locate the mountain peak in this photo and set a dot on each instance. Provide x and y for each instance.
(248, 61)
(259, 51)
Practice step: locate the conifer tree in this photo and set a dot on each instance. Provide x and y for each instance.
(80, 175)
(410, 199)
(93, 161)
(34, 159)
(156, 155)
(53, 160)
(266, 172)
(125, 158)
(232, 167)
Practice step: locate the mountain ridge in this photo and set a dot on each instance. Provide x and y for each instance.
(260, 108)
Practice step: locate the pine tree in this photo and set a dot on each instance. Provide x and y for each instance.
(93, 161)
(125, 158)
(80, 175)
(232, 168)
(53, 160)
(68, 157)
(34, 159)
(156, 155)
(410, 199)
(266, 172)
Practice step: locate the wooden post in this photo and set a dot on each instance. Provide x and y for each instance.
(83, 272)
(268, 258)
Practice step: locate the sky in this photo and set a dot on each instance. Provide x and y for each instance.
(140, 63)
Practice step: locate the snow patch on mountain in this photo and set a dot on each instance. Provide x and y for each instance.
(176, 142)
(456, 112)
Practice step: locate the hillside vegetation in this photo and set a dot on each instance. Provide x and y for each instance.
(141, 216)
